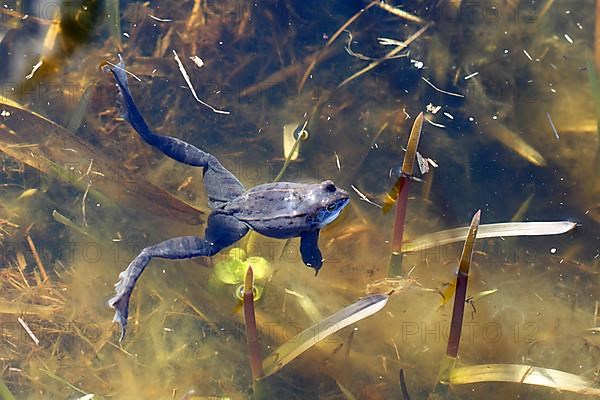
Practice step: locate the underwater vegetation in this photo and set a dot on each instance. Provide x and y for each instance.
(426, 114)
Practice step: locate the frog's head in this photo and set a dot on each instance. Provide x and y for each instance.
(331, 201)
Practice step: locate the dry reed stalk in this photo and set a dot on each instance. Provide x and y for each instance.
(37, 258)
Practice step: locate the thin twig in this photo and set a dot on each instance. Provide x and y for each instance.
(400, 13)
(186, 77)
(121, 68)
(388, 56)
(37, 258)
(441, 90)
(341, 29)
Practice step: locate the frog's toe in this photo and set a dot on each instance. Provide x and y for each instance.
(121, 306)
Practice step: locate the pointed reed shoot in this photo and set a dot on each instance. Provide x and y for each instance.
(449, 360)
(250, 325)
(460, 294)
(399, 195)
(403, 388)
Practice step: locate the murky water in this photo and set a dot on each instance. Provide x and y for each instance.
(511, 105)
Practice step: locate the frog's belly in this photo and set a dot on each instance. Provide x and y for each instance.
(280, 229)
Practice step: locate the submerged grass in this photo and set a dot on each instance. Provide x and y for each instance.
(524, 374)
(5, 393)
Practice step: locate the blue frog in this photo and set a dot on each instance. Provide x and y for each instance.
(278, 210)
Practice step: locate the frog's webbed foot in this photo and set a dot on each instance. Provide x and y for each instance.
(222, 231)
(309, 248)
(221, 185)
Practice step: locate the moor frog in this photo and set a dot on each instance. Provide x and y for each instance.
(278, 210)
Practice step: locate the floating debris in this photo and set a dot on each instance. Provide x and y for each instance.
(34, 69)
(568, 38)
(27, 193)
(399, 12)
(390, 286)
(436, 124)
(186, 77)
(552, 126)
(29, 331)
(441, 90)
(430, 108)
(332, 39)
(159, 19)
(388, 56)
(364, 198)
(198, 61)
(121, 68)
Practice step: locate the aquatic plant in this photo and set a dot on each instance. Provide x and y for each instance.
(287, 352)
(458, 310)
(260, 52)
(399, 195)
(252, 339)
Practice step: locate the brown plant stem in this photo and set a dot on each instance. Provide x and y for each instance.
(460, 294)
(395, 267)
(37, 258)
(403, 388)
(440, 389)
(399, 193)
(250, 325)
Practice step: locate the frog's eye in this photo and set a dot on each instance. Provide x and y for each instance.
(331, 207)
(329, 186)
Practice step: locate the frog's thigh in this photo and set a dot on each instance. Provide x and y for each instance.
(224, 230)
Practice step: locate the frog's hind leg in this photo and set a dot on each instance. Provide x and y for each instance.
(222, 231)
(221, 185)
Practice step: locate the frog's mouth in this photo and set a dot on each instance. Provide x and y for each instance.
(329, 219)
(332, 215)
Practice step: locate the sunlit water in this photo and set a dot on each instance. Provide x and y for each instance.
(510, 123)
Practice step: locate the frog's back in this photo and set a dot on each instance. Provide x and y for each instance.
(279, 210)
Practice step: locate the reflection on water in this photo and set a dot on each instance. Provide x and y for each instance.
(508, 92)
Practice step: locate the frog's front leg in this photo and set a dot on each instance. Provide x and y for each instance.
(222, 231)
(309, 248)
